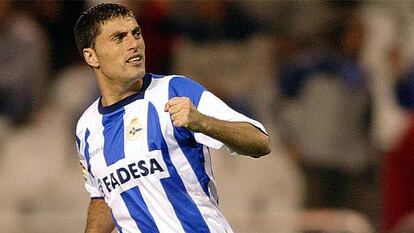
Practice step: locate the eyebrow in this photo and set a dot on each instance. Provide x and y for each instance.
(117, 33)
(136, 29)
(123, 33)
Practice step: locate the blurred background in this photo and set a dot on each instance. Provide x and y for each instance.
(332, 81)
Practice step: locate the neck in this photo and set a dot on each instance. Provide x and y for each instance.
(113, 92)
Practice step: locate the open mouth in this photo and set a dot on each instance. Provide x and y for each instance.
(135, 59)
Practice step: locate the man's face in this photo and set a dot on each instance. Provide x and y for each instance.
(120, 50)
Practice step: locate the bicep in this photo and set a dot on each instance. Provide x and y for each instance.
(212, 106)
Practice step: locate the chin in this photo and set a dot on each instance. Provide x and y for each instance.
(137, 73)
(141, 73)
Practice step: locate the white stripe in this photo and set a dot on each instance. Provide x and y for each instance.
(209, 171)
(96, 142)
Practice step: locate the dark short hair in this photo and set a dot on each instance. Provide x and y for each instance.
(88, 25)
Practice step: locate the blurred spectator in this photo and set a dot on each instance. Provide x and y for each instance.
(397, 175)
(331, 136)
(24, 62)
(219, 38)
(404, 90)
(213, 20)
(398, 180)
(58, 19)
(50, 198)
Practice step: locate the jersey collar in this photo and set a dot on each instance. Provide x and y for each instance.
(139, 95)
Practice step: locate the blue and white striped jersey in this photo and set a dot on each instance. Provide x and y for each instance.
(155, 177)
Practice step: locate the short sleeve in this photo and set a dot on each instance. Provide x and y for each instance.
(91, 185)
(212, 106)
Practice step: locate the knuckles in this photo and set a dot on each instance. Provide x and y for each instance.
(182, 111)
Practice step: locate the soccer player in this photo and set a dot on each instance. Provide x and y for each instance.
(143, 144)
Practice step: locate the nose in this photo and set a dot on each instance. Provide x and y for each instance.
(132, 42)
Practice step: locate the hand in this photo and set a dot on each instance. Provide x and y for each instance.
(184, 114)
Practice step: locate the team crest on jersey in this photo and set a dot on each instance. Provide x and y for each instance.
(134, 129)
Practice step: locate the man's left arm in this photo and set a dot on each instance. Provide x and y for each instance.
(241, 137)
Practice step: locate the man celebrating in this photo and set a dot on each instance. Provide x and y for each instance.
(143, 144)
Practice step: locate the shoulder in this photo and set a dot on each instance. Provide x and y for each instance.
(175, 81)
(89, 115)
(182, 86)
(185, 83)
(177, 85)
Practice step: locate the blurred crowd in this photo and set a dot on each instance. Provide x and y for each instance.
(332, 81)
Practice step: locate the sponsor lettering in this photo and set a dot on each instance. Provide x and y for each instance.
(134, 170)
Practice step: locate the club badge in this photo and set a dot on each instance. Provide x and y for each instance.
(134, 129)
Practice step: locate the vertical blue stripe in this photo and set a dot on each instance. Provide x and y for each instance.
(78, 142)
(86, 151)
(139, 211)
(185, 208)
(113, 133)
(192, 150)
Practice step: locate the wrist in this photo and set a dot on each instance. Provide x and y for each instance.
(201, 124)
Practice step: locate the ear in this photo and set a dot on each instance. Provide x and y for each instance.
(90, 57)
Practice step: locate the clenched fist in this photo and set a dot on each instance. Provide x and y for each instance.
(184, 114)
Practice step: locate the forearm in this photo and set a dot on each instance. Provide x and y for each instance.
(241, 137)
(99, 217)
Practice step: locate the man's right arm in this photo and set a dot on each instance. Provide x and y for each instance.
(99, 217)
